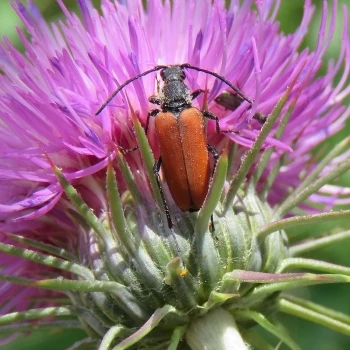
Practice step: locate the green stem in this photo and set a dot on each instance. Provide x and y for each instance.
(24, 327)
(301, 263)
(208, 257)
(111, 335)
(176, 337)
(82, 208)
(213, 196)
(87, 343)
(144, 264)
(231, 159)
(279, 132)
(268, 152)
(297, 197)
(335, 315)
(333, 153)
(266, 324)
(251, 155)
(62, 253)
(306, 247)
(158, 251)
(116, 210)
(152, 322)
(314, 314)
(301, 221)
(57, 311)
(47, 260)
(279, 282)
(257, 341)
(147, 157)
(136, 309)
(272, 176)
(253, 152)
(129, 178)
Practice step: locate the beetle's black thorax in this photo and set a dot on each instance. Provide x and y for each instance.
(175, 95)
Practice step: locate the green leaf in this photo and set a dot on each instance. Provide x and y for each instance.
(317, 243)
(253, 152)
(270, 327)
(33, 314)
(176, 337)
(275, 282)
(111, 335)
(152, 322)
(83, 208)
(315, 313)
(297, 197)
(311, 264)
(213, 196)
(85, 344)
(47, 260)
(296, 221)
(42, 246)
(135, 308)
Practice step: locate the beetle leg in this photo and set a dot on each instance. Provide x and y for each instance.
(156, 168)
(127, 150)
(196, 93)
(155, 100)
(151, 113)
(261, 118)
(215, 155)
(212, 116)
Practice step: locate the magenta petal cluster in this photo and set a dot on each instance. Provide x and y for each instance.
(50, 93)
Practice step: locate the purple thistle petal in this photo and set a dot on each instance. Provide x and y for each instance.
(72, 75)
(49, 96)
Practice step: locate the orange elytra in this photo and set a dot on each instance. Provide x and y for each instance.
(185, 159)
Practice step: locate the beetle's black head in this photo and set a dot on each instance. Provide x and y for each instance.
(172, 73)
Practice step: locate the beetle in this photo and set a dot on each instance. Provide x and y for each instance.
(180, 130)
(231, 101)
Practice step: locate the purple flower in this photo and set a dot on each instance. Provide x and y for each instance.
(53, 143)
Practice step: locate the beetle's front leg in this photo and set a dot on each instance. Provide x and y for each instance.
(156, 169)
(127, 150)
(196, 93)
(215, 155)
(212, 116)
(151, 113)
(155, 100)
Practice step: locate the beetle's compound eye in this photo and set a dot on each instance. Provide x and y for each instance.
(181, 73)
(162, 75)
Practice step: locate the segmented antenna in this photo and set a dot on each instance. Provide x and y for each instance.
(184, 65)
(239, 92)
(111, 97)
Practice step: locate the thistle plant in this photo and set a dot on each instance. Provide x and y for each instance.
(85, 241)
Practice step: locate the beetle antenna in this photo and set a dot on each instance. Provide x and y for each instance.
(239, 92)
(110, 98)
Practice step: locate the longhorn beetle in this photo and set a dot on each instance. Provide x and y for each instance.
(184, 152)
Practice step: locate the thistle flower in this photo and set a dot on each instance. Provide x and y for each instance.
(83, 218)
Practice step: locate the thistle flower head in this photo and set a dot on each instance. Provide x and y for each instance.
(78, 198)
